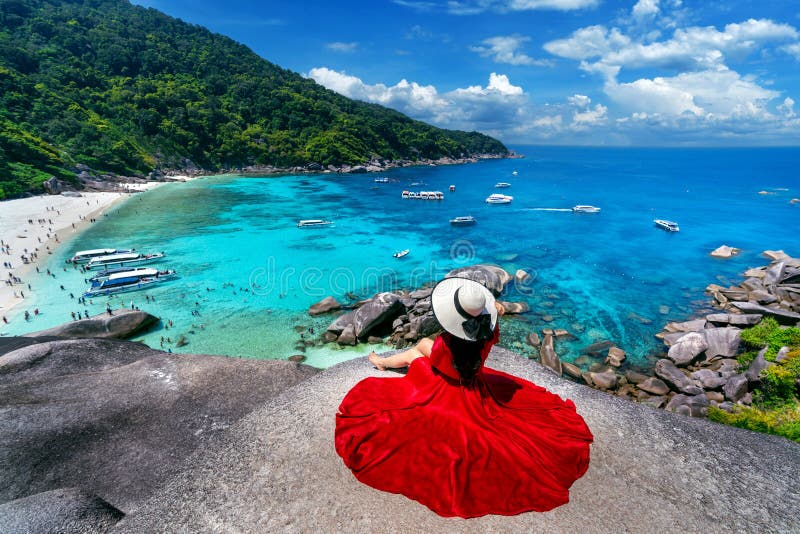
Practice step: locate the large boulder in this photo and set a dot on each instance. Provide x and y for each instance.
(117, 417)
(734, 319)
(512, 308)
(722, 341)
(693, 405)
(607, 379)
(120, 324)
(654, 386)
(326, 305)
(66, 511)
(695, 325)
(709, 379)
(382, 308)
(759, 363)
(674, 377)
(774, 273)
(687, 349)
(736, 388)
(724, 251)
(492, 277)
(785, 317)
(548, 356)
(340, 323)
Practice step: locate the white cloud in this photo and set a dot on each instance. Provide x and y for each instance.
(792, 49)
(494, 109)
(714, 94)
(579, 101)
(342, 47)
(589, 42)
(645, 8)
(787, 108)
(693, 47)
(504, 49)
(473, 7)
(590, 117)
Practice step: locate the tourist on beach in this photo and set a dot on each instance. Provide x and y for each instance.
(460, 438)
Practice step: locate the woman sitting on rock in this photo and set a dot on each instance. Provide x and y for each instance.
(460, 438)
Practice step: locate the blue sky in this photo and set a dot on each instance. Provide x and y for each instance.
(599, 72)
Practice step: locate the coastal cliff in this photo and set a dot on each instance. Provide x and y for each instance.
(274, 467)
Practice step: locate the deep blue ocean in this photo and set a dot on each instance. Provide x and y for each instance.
(248, 274)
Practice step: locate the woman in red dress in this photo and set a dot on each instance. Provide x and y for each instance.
(460, 438)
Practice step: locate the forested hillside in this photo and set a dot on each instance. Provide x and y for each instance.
(125, 89)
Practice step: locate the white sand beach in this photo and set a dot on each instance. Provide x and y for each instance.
(39, 225)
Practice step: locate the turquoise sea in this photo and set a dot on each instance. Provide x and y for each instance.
(248, 274)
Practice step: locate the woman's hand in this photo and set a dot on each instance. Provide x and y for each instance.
(500, 309)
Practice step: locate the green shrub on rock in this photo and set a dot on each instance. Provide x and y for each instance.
(781, 422)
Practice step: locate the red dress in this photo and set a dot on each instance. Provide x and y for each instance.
(502, 446)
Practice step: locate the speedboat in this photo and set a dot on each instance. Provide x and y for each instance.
(83, 256)
(382, 180)
(497, 198)
(401, 253)
(123, 260)
(502, 184)
(585, 209)
(314, 223)
(669, 226)
(466, 220)
(515, 173)
(107, 273)
(452, 188)
(129, 281)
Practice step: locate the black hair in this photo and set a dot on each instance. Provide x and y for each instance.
(466, 357)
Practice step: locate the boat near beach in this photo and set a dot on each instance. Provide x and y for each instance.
(314, 223)
(497, 198)
(585, 209)
(129, 281)
(107, 273)
(669, 226)
(382, 180)
(123, 260)
(401, 253)
(83, 256)
(466, 220)
(502, 185)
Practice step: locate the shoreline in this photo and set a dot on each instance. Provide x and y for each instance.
(56, 221)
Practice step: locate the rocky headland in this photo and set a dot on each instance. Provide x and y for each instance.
(110, 436)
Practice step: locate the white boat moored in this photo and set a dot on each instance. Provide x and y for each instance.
(129, 281)
(502, 184)
(466, 220)
(314, 223)
(669, 226)
(401, 253)
(123, 260)
(83, 256)
(497, 198)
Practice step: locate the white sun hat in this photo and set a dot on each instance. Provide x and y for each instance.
(464, 308)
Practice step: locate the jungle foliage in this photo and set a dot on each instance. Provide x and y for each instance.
(126, 89)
